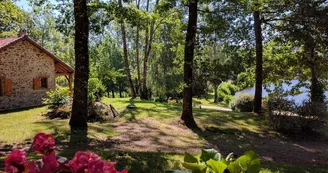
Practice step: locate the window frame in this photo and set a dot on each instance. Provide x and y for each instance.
(2, 87)
(44, 82)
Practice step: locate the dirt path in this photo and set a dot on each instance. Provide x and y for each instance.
(216, 108)
(153, 136)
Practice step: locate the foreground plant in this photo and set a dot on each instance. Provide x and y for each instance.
(82, 162)
(211, 161)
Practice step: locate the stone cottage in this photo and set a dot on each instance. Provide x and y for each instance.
(27, 71)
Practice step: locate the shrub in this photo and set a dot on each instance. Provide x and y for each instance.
(287, 117)
(243, 103)
(96, 90)
(281, 115)
(312, 115)
(225, 92)
(212, 161)
(57, 98)
(44, 144)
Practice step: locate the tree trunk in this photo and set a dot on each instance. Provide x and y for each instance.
(125, 56)
(138, 63)
(113, 94)
(215, 93)
(120, 94)
(145, 61)
(258, 70)
(187, 116)
(316, 90)
(148, 41)
(137, 55)
(78, 121)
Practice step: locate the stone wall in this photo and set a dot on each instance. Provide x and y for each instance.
(21, 63)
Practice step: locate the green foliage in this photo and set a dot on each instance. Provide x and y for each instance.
(12, 19)
(243, 103)
(212, 161)
(96, 90)
(225, 92)
(57, 98)
(288, 117)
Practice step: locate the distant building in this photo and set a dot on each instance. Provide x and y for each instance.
(27, 71)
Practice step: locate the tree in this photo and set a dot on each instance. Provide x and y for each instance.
(139, 89)
(187, 115)
(125, 56)
(148, 42)
(12, 19)
(78, 121)
(259, 59)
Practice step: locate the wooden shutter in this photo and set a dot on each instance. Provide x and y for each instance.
(36, 83)
(8, 87)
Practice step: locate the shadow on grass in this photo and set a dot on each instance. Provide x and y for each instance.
(268, 167)
(136, 162)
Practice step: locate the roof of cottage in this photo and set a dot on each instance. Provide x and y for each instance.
(61, 66)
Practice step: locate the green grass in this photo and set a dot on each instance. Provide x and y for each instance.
(21, 126)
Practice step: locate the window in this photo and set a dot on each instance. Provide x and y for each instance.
(2, 87)
(44, 83)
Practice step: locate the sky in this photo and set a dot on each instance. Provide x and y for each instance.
(24, 4)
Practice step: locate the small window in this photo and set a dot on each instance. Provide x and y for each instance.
(2, 87)
(44, 83)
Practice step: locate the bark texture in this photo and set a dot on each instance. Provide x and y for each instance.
(187, 115)
(80, 98)
(148, 43)
(125, 56)
(259, 62)
(139, 90)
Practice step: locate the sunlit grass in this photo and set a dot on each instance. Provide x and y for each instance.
(21, 126)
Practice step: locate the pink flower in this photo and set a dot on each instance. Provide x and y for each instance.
(43, 143)
(30, 167)
(15, 161)
(102, 166)
(81, 160)
(50, 163)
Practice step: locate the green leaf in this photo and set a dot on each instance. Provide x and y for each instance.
(190, 158)
(217, 167)
(234, 168)
(178, 171)
(195, 167)
(249, 162)
(208, 154)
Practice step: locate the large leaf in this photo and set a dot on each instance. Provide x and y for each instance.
(249, 162)
(217, 167)
(190, 158)
(178, 171)
(208, 154)
(234, 167)
(195, 167)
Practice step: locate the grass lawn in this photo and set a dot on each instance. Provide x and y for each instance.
(150, 137)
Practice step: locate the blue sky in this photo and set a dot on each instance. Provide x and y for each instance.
(24, 4)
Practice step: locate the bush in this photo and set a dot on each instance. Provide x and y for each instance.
(96, 90)
(44, 144)
(312, 115)
(57, 98)
(243, 103)
(212, 161)
(287, 117)
(225, 92)
(281, 115)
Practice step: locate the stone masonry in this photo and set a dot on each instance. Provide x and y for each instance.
(21, 63)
